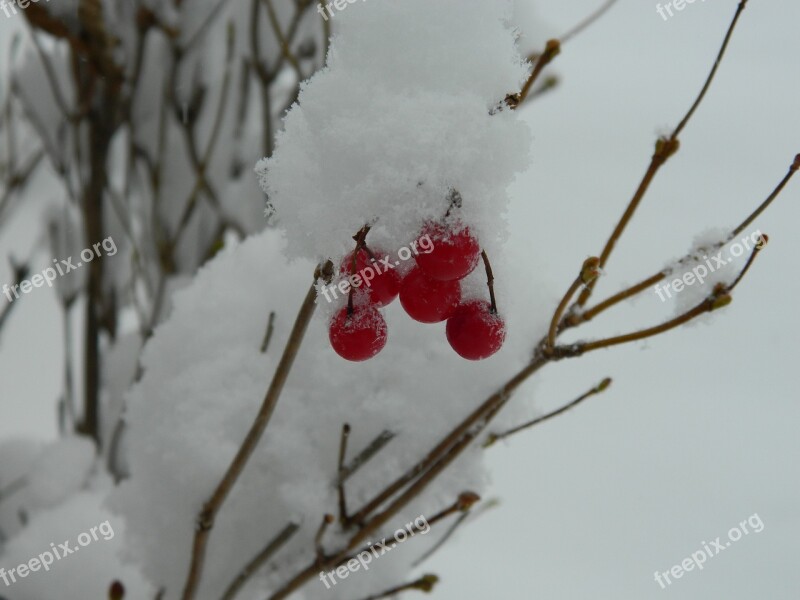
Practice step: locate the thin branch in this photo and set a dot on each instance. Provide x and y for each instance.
(365, 455)
(452, 529)
(206, 517)
(601, 387)
(551, 50)
(259, 560)
(340, 469)
(13, 487)
(763, 241)
(282, 39)
(591, 19)
(426, 583)
(589, 272)
(268, 333)
(327, 520)
(198, 35)
(764, 205)
(715, 301)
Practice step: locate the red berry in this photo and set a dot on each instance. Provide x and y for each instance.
(474, 332)
(428, 300)
(383, 284)
(358, 336)
(454, 255)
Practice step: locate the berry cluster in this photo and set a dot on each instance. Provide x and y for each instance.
(429, 293)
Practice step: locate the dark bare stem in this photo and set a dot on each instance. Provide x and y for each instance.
(365, 455)
(259, 560)
(340, 471)
(283, 40)
(602, 386)
(20, 273)
(205, 519)
(739, 9)
(12, 488)
(443, 540)
(764, 205)
(204, 26)
(763, 241)
(588, 21)
(269, 331)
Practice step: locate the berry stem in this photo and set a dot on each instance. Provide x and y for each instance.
(489, 281)
(360, 239)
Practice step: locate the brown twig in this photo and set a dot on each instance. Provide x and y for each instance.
(340, 470)
(715, 301)
(763, 241)
(205, 520)
(365, 455)
(452, 529)
(259, 560)
(764, 205)
(591, 19)
(601, 387)
(589, 272)
(327, 520)
(425, 584)
(551, 50)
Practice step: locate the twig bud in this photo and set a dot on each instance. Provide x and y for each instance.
(590, 270)
(467, 500)
(426, 583)
(666, 147)
(116, 591)
(603, 385)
